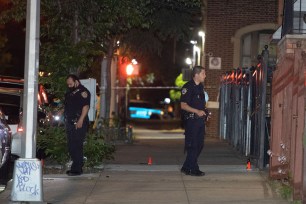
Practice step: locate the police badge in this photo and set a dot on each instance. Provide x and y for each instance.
(84, 94)
(184, 91)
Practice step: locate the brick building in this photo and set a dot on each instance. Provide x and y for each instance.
(235, 33)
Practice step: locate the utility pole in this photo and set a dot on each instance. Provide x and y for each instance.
(28, 148)
(28, 167)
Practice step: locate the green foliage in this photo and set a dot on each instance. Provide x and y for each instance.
(16, 11)
(76, 33)
(68, 58)
(96, 150)
(283, 188)
(53, 140)
(162, 20)
(176, 26)
(5, 55)
(141, 81)
(286, 192)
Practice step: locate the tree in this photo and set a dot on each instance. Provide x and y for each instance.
(171, 23)
(5, 56)
(77, 33)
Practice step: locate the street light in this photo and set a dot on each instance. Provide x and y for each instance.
(193, 42)
(132, 69)
(129, 69)
(202, 35)
(188, 61)
(195, 53)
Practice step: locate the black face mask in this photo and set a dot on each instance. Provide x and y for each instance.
(71, 89)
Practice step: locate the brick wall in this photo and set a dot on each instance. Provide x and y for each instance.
(224, 18)
(212, 125)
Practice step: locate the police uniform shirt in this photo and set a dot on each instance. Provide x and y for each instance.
(193, 95)
(75, 100)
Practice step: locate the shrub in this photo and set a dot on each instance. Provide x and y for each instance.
(96, 150)
(52, 139)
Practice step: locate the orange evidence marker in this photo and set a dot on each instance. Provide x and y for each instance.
(248, 167)
(149, 161)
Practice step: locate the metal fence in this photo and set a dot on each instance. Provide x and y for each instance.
(113, 132)
(244, 110)
(294, 20)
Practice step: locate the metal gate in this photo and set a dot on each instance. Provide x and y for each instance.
(244, 109)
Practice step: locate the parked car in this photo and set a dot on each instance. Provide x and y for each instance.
(11, 107)
(11, 103)
(5, 150)
(144, 110)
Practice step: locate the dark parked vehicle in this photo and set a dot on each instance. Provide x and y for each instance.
(11, 99)
(5, 150)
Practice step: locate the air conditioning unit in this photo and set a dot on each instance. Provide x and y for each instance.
(214, 63)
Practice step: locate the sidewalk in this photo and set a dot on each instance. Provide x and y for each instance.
(129, 180)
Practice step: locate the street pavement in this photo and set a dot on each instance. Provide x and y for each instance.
(130, 180)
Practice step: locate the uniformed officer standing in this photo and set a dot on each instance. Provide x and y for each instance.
(193, 112)
(77, 103)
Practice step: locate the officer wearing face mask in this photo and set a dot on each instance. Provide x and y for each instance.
(77, 103)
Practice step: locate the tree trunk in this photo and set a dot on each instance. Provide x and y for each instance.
(108, 79)
(75, 70)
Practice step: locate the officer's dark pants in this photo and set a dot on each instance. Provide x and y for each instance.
(194, 142)
(75, 140)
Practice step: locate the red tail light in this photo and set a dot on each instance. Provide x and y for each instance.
(20, 129)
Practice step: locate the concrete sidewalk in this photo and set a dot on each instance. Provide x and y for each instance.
(139, 184)
(129, 180)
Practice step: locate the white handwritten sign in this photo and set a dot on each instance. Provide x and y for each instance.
(27, 180)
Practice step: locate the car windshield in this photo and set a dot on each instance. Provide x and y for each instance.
(10, 99)
(11, 113)
(10, 106)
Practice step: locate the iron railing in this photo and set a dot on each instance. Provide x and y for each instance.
(294, 17)
(244, 110)
(113, 132)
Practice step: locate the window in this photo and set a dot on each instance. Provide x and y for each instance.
(253, 44)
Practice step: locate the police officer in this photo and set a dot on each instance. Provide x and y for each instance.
(77, 103)
(193, 112)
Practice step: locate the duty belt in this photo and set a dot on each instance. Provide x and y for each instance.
(193, 116)
(188, 116)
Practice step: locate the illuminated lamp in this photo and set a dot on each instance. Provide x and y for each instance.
(129, 69)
